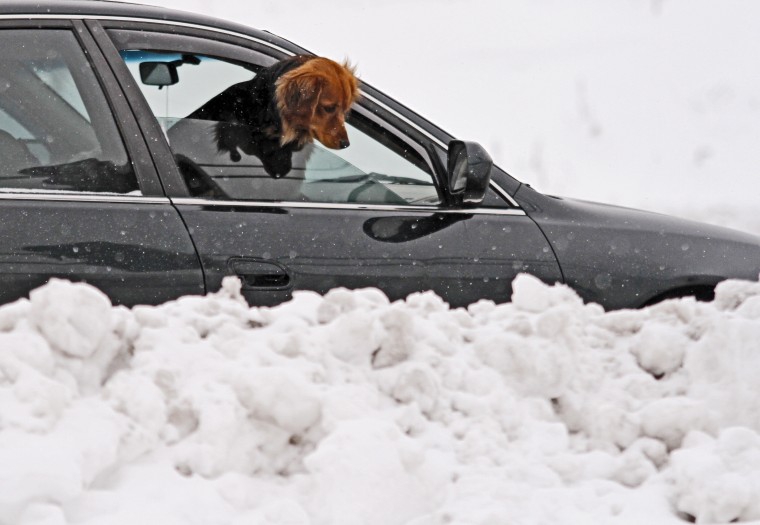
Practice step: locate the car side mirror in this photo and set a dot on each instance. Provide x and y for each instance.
(469, 171)
(158, 74)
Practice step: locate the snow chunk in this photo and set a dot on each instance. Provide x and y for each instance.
(394, 469)
(659, 349)
(74, 318)
(718, 480)
(670, 419)
(280, 396)
(731, 294)
(530, 294)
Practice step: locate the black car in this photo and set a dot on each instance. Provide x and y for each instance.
(106, 178)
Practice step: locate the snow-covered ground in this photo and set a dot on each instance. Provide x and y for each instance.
(347, 409)
(350, 410)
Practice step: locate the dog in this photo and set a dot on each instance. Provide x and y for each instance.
(283, 108)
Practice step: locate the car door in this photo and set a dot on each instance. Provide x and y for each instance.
(370, 215)
(76, 200)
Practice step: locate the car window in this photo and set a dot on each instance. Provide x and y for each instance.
(56, 129)
(378, 167)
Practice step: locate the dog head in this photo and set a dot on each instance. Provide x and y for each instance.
(313, 100)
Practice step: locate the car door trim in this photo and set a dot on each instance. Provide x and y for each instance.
(77, 197)
(193, 201)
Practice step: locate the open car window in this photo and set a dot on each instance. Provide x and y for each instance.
(378, 167)
(57, 132)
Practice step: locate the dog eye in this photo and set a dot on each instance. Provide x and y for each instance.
(330, 109)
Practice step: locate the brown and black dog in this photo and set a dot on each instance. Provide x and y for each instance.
(284, 107)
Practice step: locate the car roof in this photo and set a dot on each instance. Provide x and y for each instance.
(95, 7)
(109, 8)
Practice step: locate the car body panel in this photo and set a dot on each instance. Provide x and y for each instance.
(462, 257)
(136, 250)
(622, 257)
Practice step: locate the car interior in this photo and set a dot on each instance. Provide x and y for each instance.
(53, 130)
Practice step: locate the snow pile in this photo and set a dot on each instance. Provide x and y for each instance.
(349, 409)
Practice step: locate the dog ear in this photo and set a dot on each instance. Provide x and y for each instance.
(352, 81)
(297, 93)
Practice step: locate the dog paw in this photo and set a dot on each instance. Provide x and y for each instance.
(277, 174)
(278, 166)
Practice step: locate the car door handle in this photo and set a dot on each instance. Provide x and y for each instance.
(257, 273)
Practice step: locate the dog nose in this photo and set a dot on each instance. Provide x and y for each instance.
(344, 143)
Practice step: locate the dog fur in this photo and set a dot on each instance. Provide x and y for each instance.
(284, 107)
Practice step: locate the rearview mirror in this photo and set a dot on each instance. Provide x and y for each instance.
(158, 74)
(469, 171)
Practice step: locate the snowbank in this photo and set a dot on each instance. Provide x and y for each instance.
(349, 409)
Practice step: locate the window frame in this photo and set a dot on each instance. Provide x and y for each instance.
(204, 42)
(129, 132)
(389, 111)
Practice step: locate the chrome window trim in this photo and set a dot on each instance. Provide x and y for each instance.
(139, 199)
(81, 197)
(194, 201)
(503, 194)
(189, 25)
